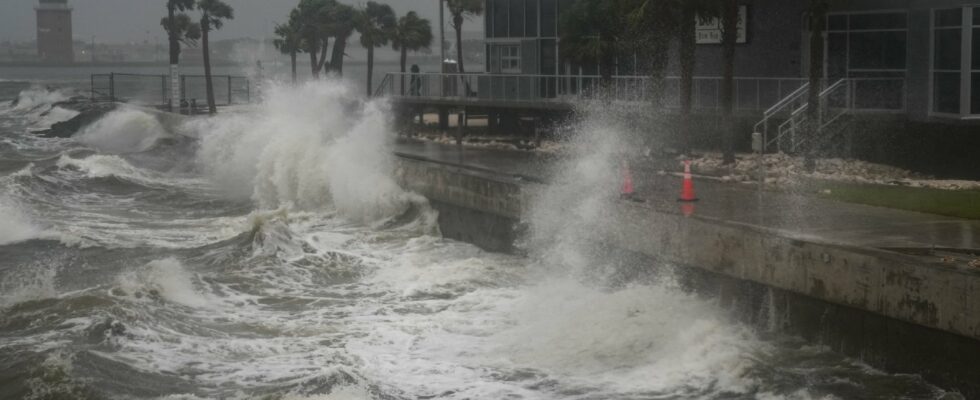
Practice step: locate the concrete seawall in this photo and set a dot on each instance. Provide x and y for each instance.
(900, 312)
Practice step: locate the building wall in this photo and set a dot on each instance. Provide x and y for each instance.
(54, 36)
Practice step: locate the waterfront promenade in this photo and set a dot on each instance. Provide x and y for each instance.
(801, 216)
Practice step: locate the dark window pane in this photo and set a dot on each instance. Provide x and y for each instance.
(500, 18)
(976, 48)
(879, 94)
(837, 55)
(531, 16)
(975, 94)
(516, 18)
(548, 57)
(947, 49)
(837, 22)
(487, 20)
(563, 6)
(878, 50)
(950, 17)
(879, 21)
(548, 18)
(946, 92)
(976, 16)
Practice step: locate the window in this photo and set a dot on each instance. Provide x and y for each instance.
(510, 59)
(531, 17)
(873, 48)
(549, 18)
(500, 18)
(516, 18)
(947, 58)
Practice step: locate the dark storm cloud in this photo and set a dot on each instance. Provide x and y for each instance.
(120, 21)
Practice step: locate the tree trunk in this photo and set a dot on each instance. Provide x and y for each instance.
(458, 24)
(174, 58)
(313, 49)
(323, 56)
(337, 58)
(688, 45)
(404, 61)
(292, 59)
(212, 109)
(729, 36)
(817, 15)
(370, 70)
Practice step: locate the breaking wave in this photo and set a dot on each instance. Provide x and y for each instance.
(310, 147)
(123, 131)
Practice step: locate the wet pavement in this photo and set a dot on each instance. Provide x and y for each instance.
(794, 215)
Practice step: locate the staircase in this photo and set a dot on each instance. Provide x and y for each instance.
(784, 127)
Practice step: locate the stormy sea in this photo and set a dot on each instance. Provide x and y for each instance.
(268, 253)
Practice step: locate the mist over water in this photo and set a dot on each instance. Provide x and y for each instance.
(268, 253)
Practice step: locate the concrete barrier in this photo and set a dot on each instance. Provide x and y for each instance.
(900, 312)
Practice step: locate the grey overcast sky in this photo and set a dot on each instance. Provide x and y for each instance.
(120, 21)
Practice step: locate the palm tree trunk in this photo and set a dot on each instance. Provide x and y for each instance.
(337, 58)
(404, 61)
(688, 45)
(212, 109)
(459, 44)
(370, 70)
(292, 59)
(729, 36)
(311, 48)
(817, 16)
(174, 58)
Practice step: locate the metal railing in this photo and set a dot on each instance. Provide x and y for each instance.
(154, 90)
(837, 101)
(754, 94)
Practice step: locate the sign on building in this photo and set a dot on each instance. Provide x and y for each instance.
(709, 31)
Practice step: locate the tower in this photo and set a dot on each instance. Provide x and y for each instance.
(54, 36)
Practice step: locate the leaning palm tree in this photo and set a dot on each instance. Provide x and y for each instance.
(411, 34)
(341, 19)
(376, 23)
(213, 14)
(461, 10)
(179, 30)
(289, 41)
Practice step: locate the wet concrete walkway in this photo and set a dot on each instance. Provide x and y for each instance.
(794, 215)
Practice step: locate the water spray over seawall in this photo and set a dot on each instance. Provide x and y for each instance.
(309, 147)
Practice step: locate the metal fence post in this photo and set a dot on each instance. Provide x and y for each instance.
(229, 90)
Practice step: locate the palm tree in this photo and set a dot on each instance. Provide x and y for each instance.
(213, 14)
(817, 15)
(179, 30)
(689, 13)
(460, 10)
(729, 35)
(411, 33)
(593, 32)
(309, 18)
(290, 42)
(652, 23)
(340, 25)
(376, 23)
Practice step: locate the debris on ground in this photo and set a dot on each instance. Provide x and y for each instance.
(949, 260)
(975, 263)
(784, 169)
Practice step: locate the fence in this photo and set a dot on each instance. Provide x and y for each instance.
(750, 94)
(155, 89)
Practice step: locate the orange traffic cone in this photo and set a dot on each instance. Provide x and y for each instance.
(687, 189)
(627, 190)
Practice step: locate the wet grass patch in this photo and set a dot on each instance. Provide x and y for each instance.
(952, 203)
